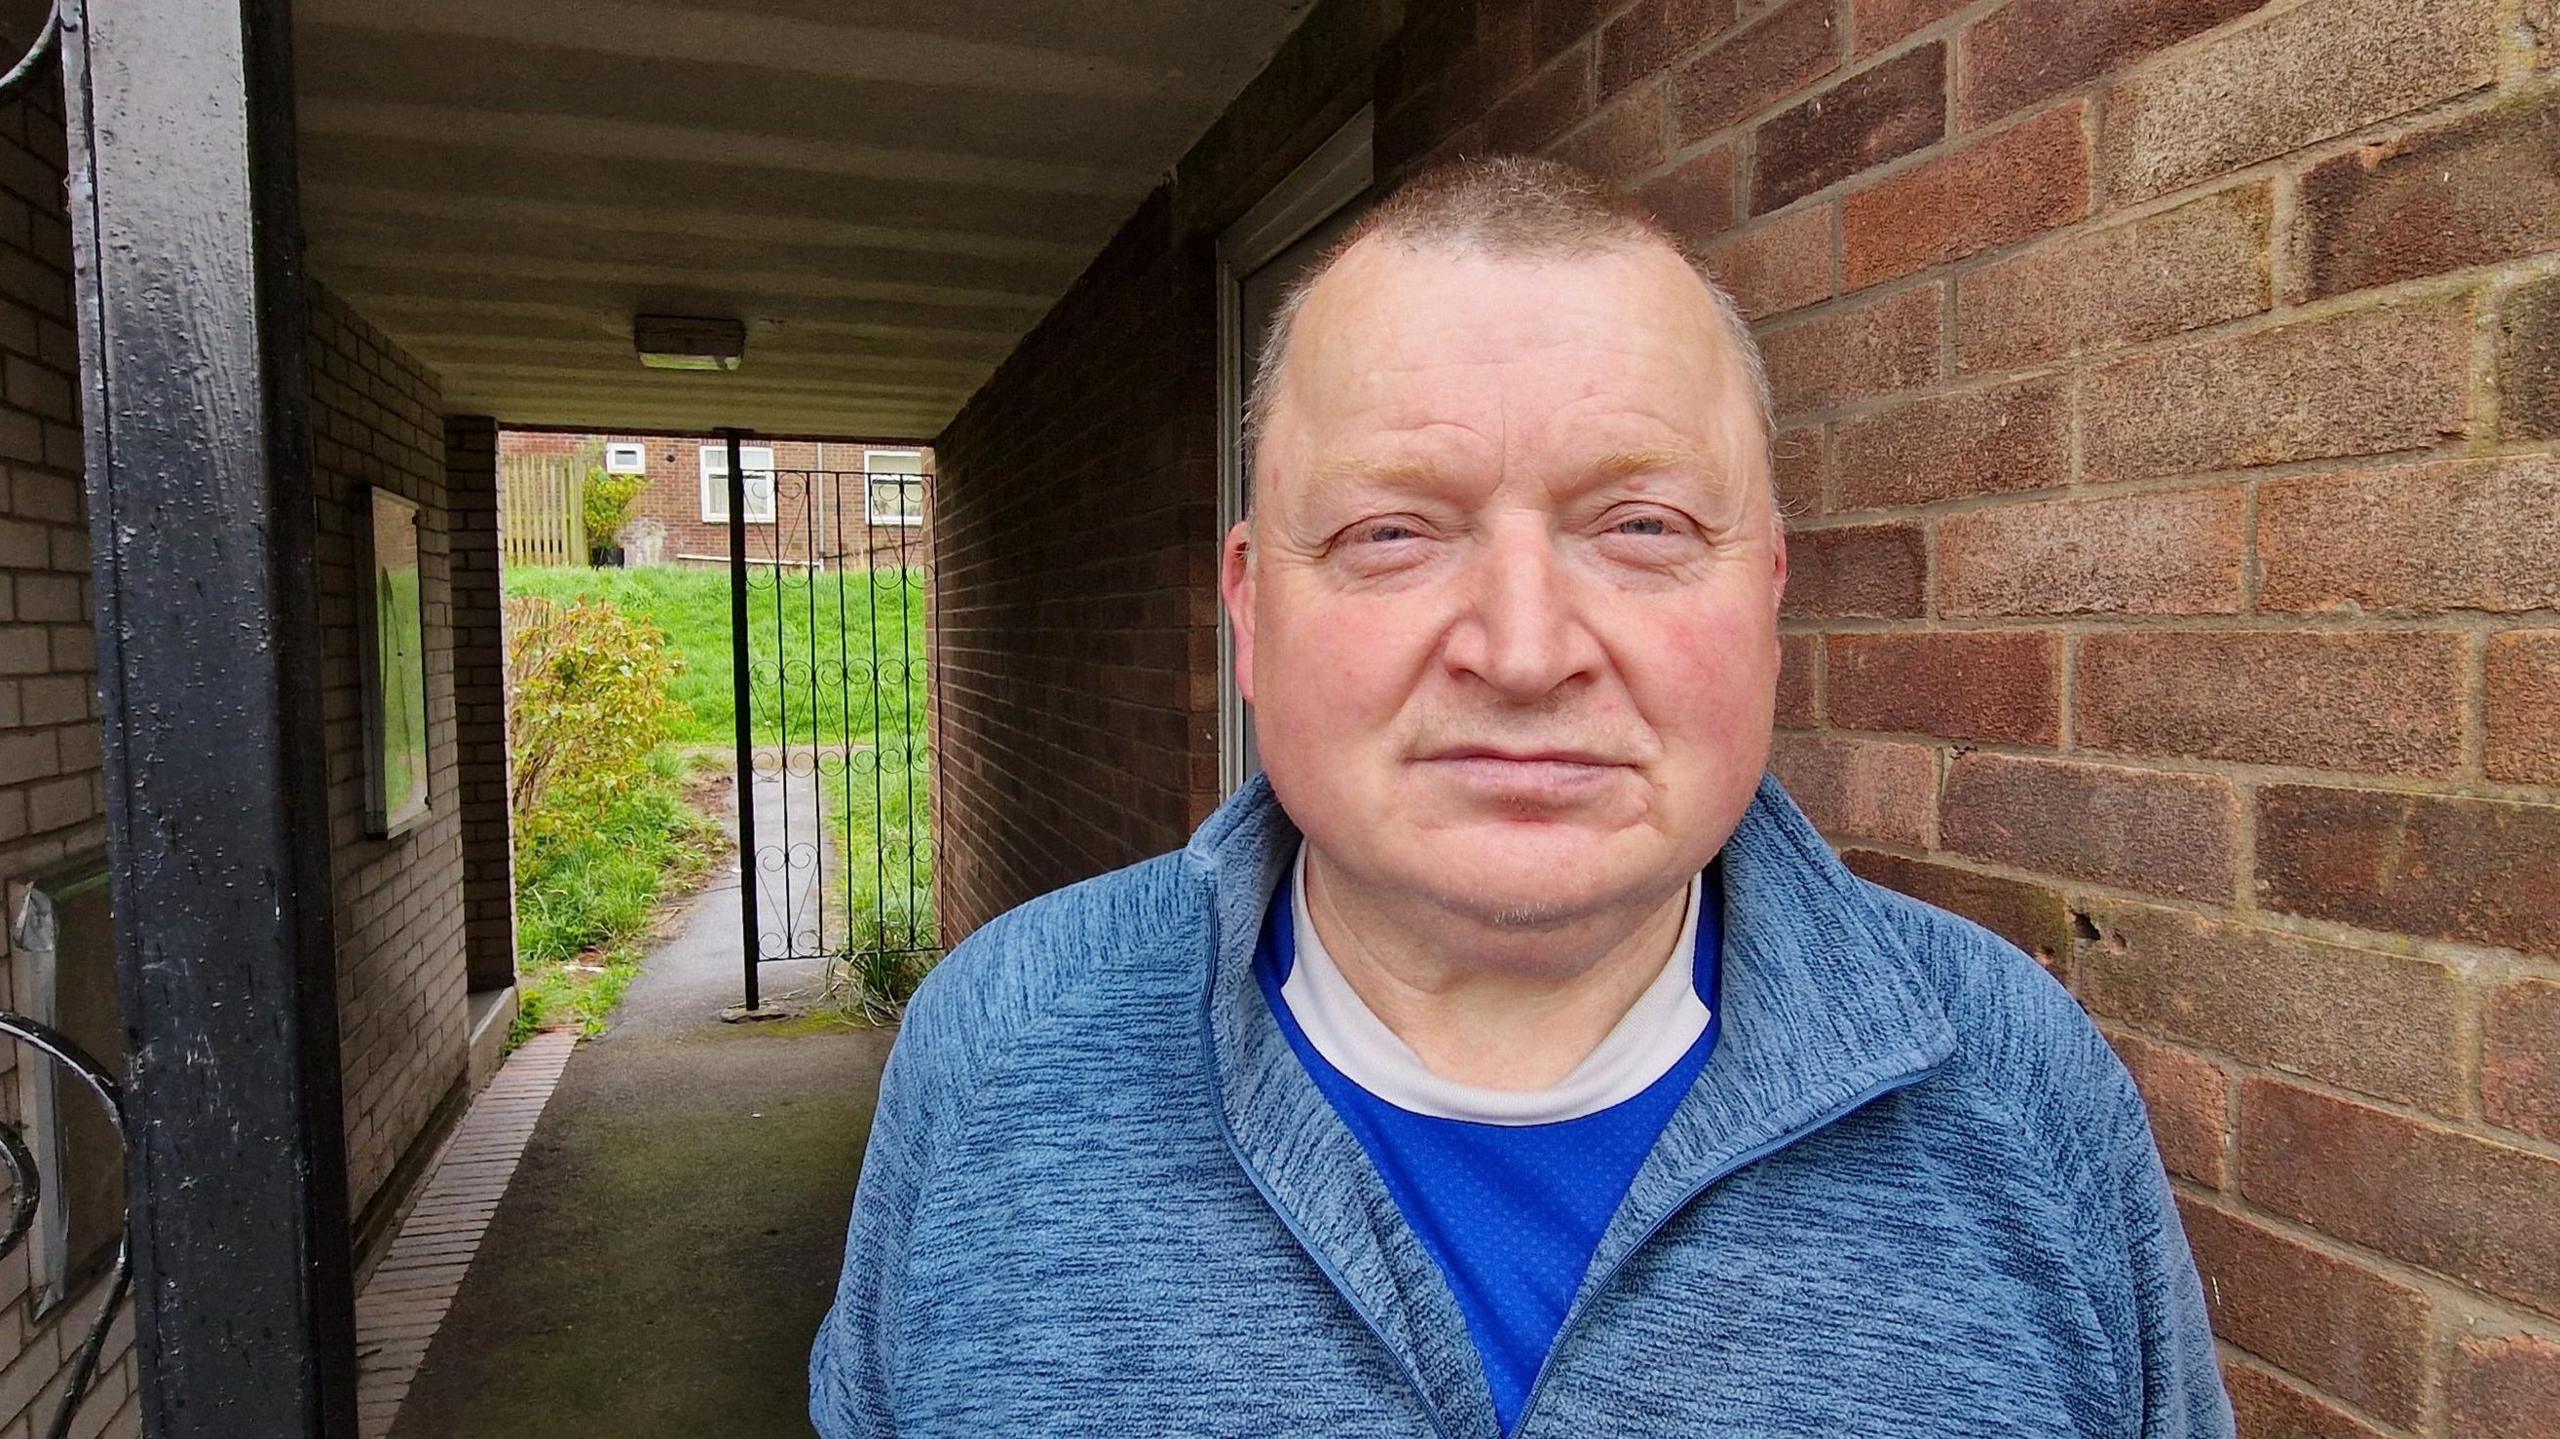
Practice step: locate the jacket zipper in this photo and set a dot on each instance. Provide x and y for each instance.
(1288, 1221)
(1430, 1409)
(1742, 1161)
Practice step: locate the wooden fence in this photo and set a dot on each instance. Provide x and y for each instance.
(543, 516)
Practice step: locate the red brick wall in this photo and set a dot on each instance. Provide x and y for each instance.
(818, 504)
(480, 701)
(2168, 395)
(1075, 597)
(377, 419)
(52, 796)
(1075, 631)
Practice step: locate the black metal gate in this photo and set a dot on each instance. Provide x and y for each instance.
(827, 586)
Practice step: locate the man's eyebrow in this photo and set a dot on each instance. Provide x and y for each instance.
(1355, 470)
(1617, 465)
(1625, 463)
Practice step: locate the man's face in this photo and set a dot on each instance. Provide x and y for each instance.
(1509, 618)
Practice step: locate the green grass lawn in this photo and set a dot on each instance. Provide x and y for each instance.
(585, 902)
(825, 629)
(831, 622)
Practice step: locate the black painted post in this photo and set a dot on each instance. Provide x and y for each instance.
(194, 410)
(742, 694)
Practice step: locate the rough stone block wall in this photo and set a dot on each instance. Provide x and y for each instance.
(377, 419)
(2167, 396)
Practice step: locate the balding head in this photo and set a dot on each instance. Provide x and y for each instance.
(1509, 207)
(1507, 608)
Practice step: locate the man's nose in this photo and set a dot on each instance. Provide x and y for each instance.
(1523, 630)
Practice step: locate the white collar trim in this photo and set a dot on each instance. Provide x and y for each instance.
(1647, 1041)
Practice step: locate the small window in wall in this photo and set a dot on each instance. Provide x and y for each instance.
(622, 459)
(715, 483)
(894, 486)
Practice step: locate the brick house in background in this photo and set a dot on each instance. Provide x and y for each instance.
(841, 502)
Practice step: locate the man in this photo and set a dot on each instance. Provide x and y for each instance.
(1516, 1060)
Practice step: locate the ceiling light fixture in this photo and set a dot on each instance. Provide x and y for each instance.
(688, 342)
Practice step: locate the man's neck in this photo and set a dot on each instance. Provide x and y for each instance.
(1484, 1004)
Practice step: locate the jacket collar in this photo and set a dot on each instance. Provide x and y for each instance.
(1823, 1008)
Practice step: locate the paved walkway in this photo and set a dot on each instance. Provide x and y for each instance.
(660, 1260)
(410, 1291)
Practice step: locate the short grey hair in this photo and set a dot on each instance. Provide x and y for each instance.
(1513, 206)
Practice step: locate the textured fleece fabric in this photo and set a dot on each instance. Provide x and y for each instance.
(1911, 1193)
(1512, 1213)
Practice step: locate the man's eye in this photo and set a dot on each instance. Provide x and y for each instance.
(1384, 532)
(1646, 525)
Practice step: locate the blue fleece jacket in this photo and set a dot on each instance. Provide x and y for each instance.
(1912, 1193)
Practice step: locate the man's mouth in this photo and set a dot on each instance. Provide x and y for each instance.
(1524, 776)
(1502, 755)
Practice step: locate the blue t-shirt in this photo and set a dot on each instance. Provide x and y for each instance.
(1510, 1212)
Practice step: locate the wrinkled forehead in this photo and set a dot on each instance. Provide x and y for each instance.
(1401, 336)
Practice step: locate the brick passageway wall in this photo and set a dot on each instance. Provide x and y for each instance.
(2168, 396)
(376, 421)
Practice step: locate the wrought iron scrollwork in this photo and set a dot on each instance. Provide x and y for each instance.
(27, 1190)
(46, 47)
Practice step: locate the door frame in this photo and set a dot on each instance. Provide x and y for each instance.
(1338, 172)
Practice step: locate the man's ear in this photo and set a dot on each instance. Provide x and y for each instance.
(1778, 549)
(1235, 587)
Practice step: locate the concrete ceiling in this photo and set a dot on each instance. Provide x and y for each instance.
(888, 192)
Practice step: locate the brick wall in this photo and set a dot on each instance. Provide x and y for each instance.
(1075, 556)
(819, 503)
(52, 796)
(2168, 397)
(377, 420)
(2168, 394)
(480, 701)
(1073, 608)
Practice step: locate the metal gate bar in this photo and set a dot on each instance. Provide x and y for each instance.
(804, 867)
(742, 699)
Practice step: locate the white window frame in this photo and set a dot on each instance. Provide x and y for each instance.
(1339, 172)
(916, 477)
(715, 483)
(622, 458)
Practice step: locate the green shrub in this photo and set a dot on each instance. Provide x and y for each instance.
(588, 700)
(610, 503)
(609, 500)
(586, 895)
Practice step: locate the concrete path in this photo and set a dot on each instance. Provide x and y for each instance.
(661, 1259)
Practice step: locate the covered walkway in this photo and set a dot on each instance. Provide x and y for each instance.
(2169, 582)
(665, 1248)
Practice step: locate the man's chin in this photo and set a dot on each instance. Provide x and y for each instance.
(1512, 880)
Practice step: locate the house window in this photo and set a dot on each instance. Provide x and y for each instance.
(620, 459)
(715, 483)
(893, 486)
